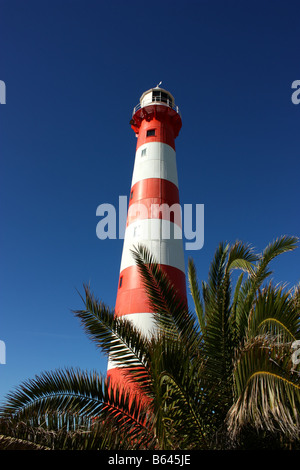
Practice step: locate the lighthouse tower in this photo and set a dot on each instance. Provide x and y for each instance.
(154, 214)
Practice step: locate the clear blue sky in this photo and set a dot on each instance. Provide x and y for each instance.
(74, 70)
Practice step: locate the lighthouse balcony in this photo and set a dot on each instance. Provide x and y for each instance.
(157, 101)
(156, 96)
(157, 104)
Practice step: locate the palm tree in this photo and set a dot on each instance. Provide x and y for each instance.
(228, 372)
(218, 377)
(247, 336)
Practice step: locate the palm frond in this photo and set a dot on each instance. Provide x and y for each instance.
(260, 273)
(274, 313)
(13, 443)
(218, 335)
(267, 394)
(180, 402)
(195, 292)
(241, 256)
(65, 391)
(115, 336)
(66, 404)
(171, 312)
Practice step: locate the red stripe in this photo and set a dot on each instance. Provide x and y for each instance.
(131, 296)
(119, 376)
(163, 133)
(147, 195)
(164, 120)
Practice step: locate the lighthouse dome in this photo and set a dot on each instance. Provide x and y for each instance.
(157, 95)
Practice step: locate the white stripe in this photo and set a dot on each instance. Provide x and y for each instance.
(153, 234)
(159, 162)
(144, 322)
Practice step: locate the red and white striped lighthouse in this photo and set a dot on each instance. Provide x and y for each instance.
(154, 215)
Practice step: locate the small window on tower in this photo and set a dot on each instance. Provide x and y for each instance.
(144, 152)
(150, 132)
(131, 195)
(121, 281)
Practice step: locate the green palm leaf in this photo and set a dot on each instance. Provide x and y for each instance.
(274, 313)
(72, 399)
(116, 336)
(196, 294)
(267, 394)
(171, 312)
(254, 282)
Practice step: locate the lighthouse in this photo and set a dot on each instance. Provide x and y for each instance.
(154, 214)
